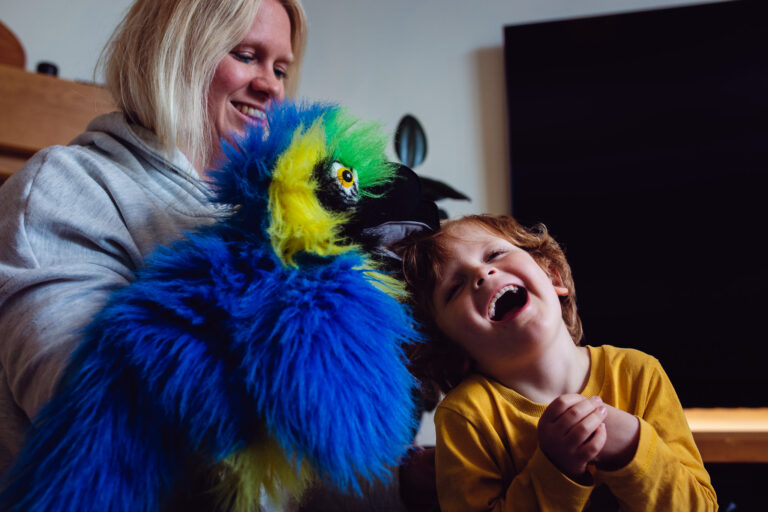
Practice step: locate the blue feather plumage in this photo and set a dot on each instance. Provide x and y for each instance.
(215, 343)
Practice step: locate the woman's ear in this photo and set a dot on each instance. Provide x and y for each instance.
(557, 282)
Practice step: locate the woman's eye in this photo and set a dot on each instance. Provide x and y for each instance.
(242, 57)
(280, 74)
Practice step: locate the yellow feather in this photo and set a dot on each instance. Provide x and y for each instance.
(261, 466)
(299, 222)
(383, 281)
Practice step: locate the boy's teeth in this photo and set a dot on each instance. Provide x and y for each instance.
(509, 288)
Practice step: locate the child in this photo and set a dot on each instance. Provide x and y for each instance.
(532, 420)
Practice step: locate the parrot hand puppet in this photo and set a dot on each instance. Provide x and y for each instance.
(266, 348)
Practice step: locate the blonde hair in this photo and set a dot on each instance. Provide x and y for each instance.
(160, 61)
(438, 360)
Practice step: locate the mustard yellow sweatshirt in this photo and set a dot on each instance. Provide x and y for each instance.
(488, 457)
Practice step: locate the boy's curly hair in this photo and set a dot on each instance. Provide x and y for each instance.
(438, 361)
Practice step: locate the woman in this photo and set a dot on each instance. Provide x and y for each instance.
(77, 221)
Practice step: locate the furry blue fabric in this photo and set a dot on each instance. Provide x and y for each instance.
(218, 344)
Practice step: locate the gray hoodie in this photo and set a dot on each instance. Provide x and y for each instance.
(75, 223)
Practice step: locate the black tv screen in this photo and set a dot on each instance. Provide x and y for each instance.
(641, 141)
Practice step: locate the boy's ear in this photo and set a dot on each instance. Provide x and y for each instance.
(557, 282)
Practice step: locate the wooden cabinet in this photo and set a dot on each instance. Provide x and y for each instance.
(37, 111)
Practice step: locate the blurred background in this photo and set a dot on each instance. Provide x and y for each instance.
(440, 61)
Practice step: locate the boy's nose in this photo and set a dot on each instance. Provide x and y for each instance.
(483, 274)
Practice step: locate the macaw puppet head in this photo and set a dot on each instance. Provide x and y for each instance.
(330, 185)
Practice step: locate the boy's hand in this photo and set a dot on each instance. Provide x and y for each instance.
(623, 434)
(572, 433)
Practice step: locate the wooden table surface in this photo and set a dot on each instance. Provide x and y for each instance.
(730, 435)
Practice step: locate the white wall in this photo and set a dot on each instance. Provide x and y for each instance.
(439, 60)
(68, 33)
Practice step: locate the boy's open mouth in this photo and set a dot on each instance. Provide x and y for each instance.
(508, 300)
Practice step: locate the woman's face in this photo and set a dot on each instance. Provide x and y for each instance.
(252, 74)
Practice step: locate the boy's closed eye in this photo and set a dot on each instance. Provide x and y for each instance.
(456, 282)
(452, 290)
(492, 255)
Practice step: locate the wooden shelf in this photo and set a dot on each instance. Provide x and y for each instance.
(730, 435)
(37, 111)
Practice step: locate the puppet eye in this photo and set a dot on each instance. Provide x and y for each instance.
(346, 182)
(337, 186)
(346, 177)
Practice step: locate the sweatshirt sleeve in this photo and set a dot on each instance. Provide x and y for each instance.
(470, 476)
(64, 249)
(667, 472)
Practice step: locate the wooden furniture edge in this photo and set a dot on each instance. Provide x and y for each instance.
(730, 435)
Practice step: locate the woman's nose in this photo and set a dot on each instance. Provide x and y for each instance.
(483, 274)
(268, 85)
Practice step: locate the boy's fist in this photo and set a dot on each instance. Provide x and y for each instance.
(572, 433)
(622, 437)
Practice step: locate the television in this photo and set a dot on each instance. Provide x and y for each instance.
(641, 141)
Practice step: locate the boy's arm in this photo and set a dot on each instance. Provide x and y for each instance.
(475, 471)
(666, 471)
